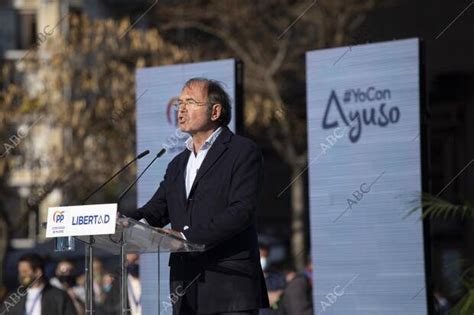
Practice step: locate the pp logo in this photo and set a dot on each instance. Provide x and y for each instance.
(58, 216)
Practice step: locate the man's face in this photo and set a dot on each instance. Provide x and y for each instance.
(193, 119)
(97, 267)
(132, 258)
(26, 274)
(64, 269)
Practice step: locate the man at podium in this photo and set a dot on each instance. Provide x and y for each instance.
(209, 194)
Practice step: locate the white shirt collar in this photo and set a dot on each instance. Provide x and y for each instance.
(36, 290)
(212, 138)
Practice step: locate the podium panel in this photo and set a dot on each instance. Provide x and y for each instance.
(140, 238)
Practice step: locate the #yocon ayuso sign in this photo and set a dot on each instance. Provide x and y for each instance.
(375, 110)
(363, 115)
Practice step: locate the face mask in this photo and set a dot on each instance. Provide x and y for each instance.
(133, 270)
(107, 287)
(67, 280)
(263, 262)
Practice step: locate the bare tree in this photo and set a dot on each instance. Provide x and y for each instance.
(81, 90)
(8, 138)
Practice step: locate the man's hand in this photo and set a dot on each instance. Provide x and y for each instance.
(174, 233)
(121, 221)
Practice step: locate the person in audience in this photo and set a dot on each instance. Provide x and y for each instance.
(274, 280)
(264, 252)
(297, 297)
(111, 286)
(442, 305)
(65, 279)
(134, 286)
(35, 296)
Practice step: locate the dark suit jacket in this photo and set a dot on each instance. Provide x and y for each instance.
(111, 304)
(297, 298)
(220, 213)
(53, 302)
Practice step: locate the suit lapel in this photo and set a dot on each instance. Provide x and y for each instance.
(181, 177)
(22, 304)
(215, 152)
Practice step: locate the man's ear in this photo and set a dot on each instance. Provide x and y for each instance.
(216, 111)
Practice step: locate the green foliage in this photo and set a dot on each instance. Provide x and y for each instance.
(437, 208)
(466, 305)
(434, 207)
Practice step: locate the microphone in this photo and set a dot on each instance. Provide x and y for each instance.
(162, 151)
(66, 243)
(144, 153)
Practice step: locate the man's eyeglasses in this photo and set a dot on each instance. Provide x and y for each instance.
(189, 104)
